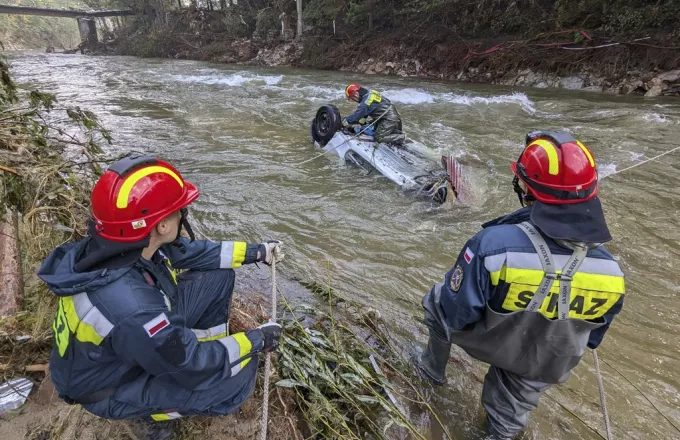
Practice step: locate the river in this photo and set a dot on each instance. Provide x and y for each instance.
(241, 133)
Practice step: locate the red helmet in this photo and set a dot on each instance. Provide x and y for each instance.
(351, 89)
(556, 168)
(135, 194)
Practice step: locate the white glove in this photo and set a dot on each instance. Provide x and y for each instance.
(270, 250)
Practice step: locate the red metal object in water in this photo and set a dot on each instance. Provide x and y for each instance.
(455, 175)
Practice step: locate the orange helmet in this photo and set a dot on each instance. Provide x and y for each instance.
(135, 194)
(556, 168)
(351, 89)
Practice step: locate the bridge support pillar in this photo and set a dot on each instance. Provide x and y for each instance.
(88, 30)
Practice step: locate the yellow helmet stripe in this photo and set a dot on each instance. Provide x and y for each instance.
(585, 150)
(551, 151)
(130, 182)
(347, 89)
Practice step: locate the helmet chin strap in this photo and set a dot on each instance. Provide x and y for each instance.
(524, 198)
(183, 222)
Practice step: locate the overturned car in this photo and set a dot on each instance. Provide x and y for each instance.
(411, 165)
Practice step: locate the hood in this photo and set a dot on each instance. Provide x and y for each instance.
(59, 271)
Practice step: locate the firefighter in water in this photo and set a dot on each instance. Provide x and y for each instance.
(132, 338)
(387, 128)
(532, 289)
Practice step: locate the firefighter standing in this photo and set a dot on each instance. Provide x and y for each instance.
(533, 289)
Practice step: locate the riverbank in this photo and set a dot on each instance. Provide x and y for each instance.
(645, 63)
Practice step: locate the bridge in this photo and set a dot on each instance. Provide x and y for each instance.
(26, 10)
(85, 19)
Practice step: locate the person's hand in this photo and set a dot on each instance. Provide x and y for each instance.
(271, 332)
(270, 250)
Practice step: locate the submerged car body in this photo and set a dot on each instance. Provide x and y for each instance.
(411, 165)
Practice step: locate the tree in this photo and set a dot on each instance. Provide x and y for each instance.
(299, 17)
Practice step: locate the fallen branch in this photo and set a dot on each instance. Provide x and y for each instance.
(9, 170)
(38, 367)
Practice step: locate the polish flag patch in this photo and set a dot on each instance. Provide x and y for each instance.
(157, 324)
(469, 255)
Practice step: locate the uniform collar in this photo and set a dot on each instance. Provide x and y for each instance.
(519, 216)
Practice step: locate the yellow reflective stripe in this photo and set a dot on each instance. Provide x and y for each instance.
(245, 346)
(495, 276)
(585, 150)
(551, 151)
(213, 338)
(374, 97)
(583, 303)
(83, 319)
(211, 334)
(239, 254)
(173, 273)
(582, 280)
(165, 416)
(61, 330)
(124, 193)
(84, 332)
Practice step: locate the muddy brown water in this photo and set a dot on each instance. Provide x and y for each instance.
(239, 134)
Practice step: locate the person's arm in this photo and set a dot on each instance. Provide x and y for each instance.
(465, 290)
(209, 255)
(159, 342)
(360, 113)
(596, 336)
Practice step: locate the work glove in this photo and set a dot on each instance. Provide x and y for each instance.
(271, 332)
(269, 250)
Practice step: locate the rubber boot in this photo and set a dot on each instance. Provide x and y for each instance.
(432, 363)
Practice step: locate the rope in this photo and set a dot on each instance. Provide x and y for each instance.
(603, 401)
(353, 137)
(644, 162)
(268, 361)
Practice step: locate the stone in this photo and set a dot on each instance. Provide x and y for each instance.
(670, 76)
(541, 85)
(629, 88)
(654, 83)
(654, 91)
(571, 83)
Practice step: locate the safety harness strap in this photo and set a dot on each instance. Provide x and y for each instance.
(550, 272)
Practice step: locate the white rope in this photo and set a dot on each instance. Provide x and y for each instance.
(353, 137)
(643, 162)
(603, 401)
(268, 361)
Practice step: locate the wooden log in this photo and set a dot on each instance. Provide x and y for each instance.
(38, 367)
(11, 275)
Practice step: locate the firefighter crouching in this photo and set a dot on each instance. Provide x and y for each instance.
(132, 338)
